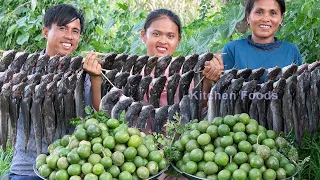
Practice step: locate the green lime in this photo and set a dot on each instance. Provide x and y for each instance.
(86, 168)
(239, 136)
(81, 134)
(229, 120)
(239, 174)
(246, 167)
(44, 170)
(204, 139)
(122, 137)
(143, 172)
(84, 151)
(112, 123)
(153, 167)
(256, 162)
(231, 167)
(240, 158)
(94, 159)
(93, 130)
(281, 142)
(178, 145)
(143, 151)
(117, 158)
(290, 169)
(52, 160)
(61, 174)
(208, 156)
(212, 130)
(106, 162)
(196, 155)
(89, 122)
(271, 134)
(194, 134)
(244, 146)
(224, 174)
(134, 141)
(155, 156)
(272, 163)
(223, 130)
(73, 157)
(109, 142)
(208, 147)
(281, 173)
(217, 121)
(221, 158)
(98, 169)
(226, 141)
(230, 150)
(191, 167)
(129, 167)
(252, 128)
(269, 142)
(105, 176)
(74, 170)
(203, 125)
(114, 171)
(263, 151)
(191, 145)
(130, 152)
(255, 174)
(97, 148)
(269, 174)
(244, 118)
(125, 175)
(120, 147)
(133, 131)
(239, 127)
(138, 161)
(210, 168)
(62, 163)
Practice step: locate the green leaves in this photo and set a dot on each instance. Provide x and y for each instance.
(22, 38)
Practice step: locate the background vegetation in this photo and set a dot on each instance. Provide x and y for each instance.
(114, 26)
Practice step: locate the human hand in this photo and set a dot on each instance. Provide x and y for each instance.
(92, 65)
(214, 68)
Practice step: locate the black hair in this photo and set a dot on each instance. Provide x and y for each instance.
(250, 4)
(63, 14)
(158, 13)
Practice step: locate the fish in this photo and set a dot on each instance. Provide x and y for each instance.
(131, 86)
(108, 60)
(162, 65)
(245, 92)
(129, 63)
(18, 78)
(171, 88)
(109, 100)
(133, 110)
(41, 64)
(272, 73)
(14, 109)
(69, 85)
(189, 63)
(47, 78)
(75, 63)
(4, 113)
(36, 114)
(313, 65)
(151, 63)
(146, 116)
(7, 59)
(198, 77)
(176, 64)
(18, 61)
(172, 111)
(302, 68)
(288, 71)
(156, 90)
(57, 77)
(184, 106)
(244, 73)
(139, 64)
(227, 104)
(64, 63)
(79, 94)
(233, 71)
(276, 105)
(301, 120)
(215, 95)
(25, 107)
(257, 74)
(143, 87)
(161, 115)
(263, 103)
(48, 111)
(253, 109)
(120, 79)
(185, 82)
(52, 64)
(123, 103)
(105, 85)
(34, 78)
(119, 61)
(59, 105)
(30, 63)
(287, 101)
(6, 77)
(194, 104)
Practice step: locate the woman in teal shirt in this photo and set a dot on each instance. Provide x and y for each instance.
(262, 48)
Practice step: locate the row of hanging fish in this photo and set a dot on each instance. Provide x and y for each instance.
(40, 91)
(286, 100)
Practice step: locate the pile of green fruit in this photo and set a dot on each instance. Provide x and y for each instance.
(96, 150)
(234, 147)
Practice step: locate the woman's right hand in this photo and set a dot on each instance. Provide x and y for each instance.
(214, 68)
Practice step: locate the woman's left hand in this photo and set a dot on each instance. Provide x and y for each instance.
(214, 68)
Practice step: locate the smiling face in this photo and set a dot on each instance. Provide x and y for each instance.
(62, 40)
(264, 19)
(161, 37)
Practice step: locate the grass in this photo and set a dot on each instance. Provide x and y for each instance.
(310, 147)
(5, 160)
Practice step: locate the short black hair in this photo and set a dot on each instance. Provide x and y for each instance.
(156, 14)
(63, 14)
(250, 4)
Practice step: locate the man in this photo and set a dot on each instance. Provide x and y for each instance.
(63, 25)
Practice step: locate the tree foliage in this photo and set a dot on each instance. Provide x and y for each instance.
(112, 26)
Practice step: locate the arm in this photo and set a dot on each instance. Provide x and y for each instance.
(212, 72)
(93, 68)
